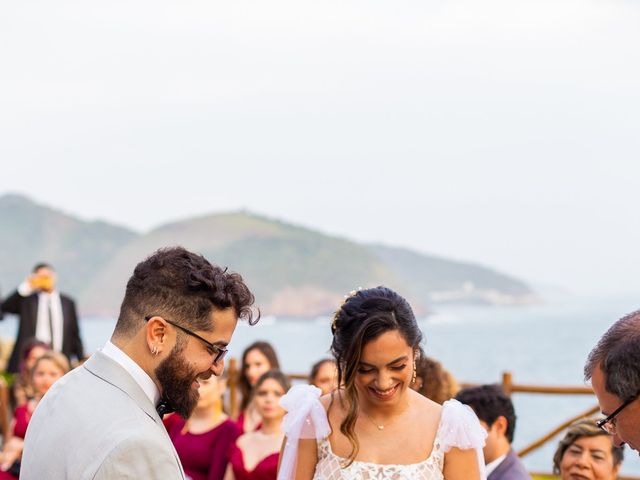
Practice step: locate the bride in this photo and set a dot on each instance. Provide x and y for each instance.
(375, 426)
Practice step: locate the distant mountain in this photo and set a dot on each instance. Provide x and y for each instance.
(436, 280)
(293, 271)
(32, 233)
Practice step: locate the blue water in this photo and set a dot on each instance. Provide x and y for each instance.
(542, 344)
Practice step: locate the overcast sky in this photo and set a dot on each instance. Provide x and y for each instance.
(503, 132)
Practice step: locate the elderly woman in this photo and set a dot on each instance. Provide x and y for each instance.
(588, 452)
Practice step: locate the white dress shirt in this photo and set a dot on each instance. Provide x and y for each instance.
(139, 375)
(491, 466)
(49, 316)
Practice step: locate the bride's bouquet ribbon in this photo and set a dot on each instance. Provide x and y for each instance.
(306, 418)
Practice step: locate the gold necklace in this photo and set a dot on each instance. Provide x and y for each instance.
(379, 426)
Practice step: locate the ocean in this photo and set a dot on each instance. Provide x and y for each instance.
(544, 344)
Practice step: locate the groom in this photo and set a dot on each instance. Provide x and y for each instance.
(100, 421)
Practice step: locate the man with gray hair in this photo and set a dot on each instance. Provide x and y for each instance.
(613, 366)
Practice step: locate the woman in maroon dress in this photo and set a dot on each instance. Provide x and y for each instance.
(202, 442)
(257, 358)
(255, 455)
(46, 370)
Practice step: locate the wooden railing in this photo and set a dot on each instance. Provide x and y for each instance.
(507, 384)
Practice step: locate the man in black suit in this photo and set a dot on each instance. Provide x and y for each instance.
(495, 411)
(45, 314)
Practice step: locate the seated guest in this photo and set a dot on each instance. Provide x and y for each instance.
(324, 375)
(258, 358)
(433, 381)
(587, 451)
(202, 442)
(47, 369)
(255, 454)
(495, 411)
(22, 391)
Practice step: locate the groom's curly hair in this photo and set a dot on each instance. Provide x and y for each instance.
(363, 317)
(183, 286)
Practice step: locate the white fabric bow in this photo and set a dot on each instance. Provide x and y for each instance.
(306, 418)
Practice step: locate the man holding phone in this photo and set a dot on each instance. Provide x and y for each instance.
(44, 314)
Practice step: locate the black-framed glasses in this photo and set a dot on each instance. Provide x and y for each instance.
(218, 352)
(608, 424)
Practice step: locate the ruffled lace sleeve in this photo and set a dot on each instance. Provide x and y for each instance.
(306, 418)
(460, 428)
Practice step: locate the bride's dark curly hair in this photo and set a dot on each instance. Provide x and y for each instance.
(363, 317)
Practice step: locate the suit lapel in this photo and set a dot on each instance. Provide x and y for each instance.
(504, 466)
(66, 327)
(113, 373)
(31, 315)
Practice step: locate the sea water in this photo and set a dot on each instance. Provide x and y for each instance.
(544, 344)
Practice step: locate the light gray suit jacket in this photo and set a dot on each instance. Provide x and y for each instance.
(97, 423)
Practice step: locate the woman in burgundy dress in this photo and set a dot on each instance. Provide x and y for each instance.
(255, 455)
(202, 442)
(257, 358)
(46, 370)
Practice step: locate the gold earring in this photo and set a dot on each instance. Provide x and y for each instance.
(415, 372)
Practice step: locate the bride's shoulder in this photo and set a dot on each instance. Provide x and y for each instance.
(425, 409)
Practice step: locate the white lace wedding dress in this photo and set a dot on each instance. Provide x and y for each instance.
(306, 418)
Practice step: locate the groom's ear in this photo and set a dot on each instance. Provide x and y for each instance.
(155, 334)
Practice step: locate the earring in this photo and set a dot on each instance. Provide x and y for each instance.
(154, 351)
(415, 372)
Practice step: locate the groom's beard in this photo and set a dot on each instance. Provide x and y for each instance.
(176, 378)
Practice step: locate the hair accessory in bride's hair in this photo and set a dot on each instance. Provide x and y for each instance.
(352, 293)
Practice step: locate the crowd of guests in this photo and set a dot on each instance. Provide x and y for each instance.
(212, 445)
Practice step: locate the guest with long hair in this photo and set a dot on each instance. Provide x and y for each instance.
(21, 390)
(255, 454)
(374, 425)
(203, 440)
(47, 369)
(258, 358)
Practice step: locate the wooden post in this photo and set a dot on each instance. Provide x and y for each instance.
(232, 383)
(507, 383)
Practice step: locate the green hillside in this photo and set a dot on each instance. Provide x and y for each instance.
(437, 280)
(32, 233)
(293, 271)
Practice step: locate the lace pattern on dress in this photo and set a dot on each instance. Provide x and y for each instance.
(329, 467)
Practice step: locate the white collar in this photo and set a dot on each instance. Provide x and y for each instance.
(139, 375)
(491, 466)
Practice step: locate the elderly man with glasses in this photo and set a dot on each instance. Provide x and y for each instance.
(613, 366)
(104, 419)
